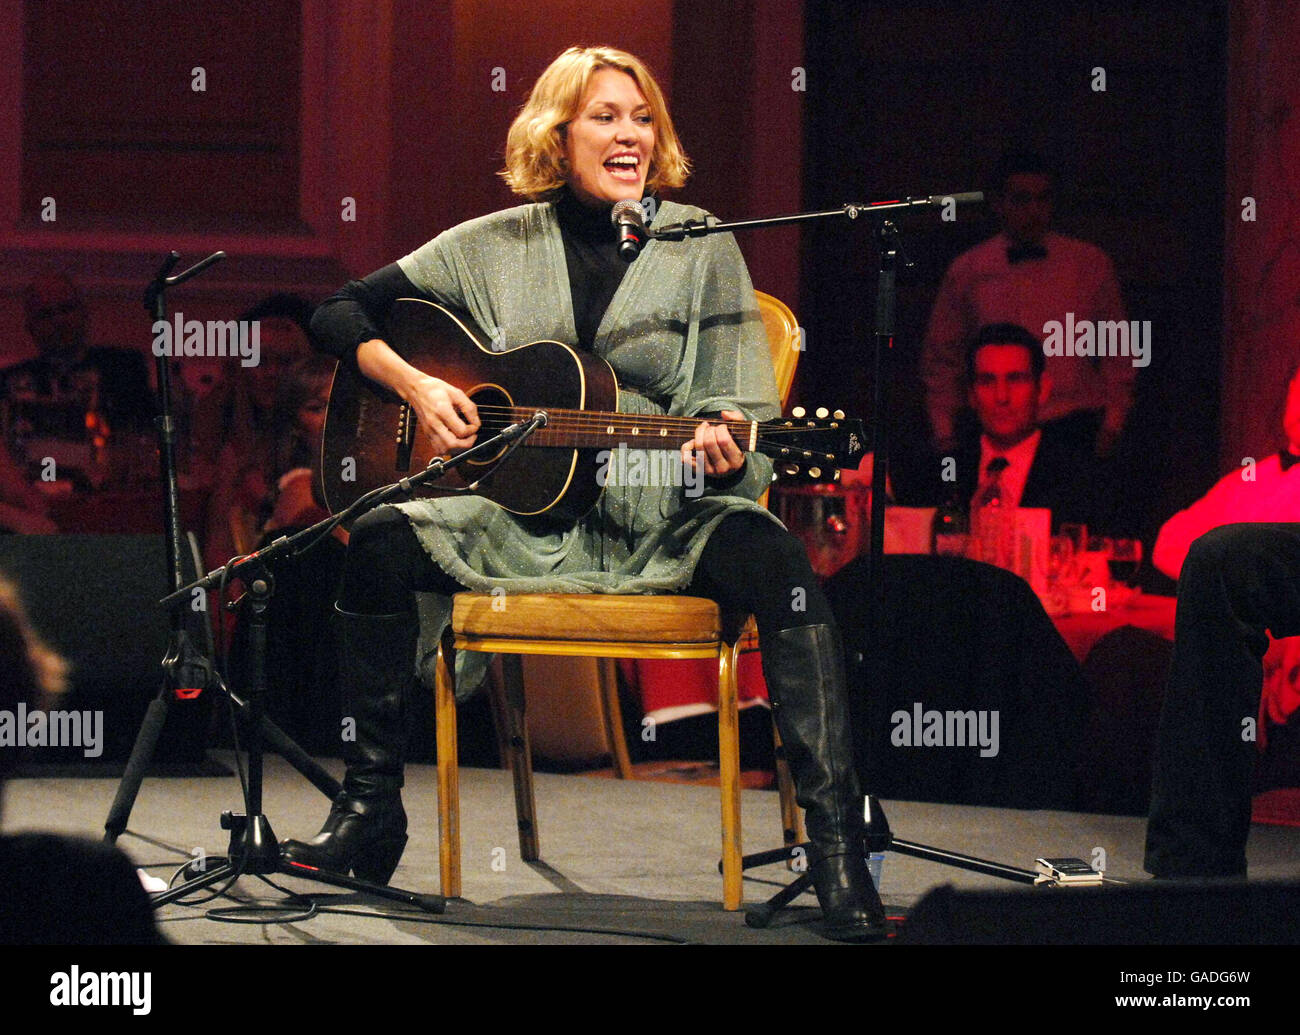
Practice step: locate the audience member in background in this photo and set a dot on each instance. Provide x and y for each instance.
(1029, 275)
(1267, 490)
(201, 397)
(1238, 583)
(71, 401)
(283, 320)
(1013, 458)
(298, 427)
(57, 890)
(22, 508)
(250, 460)
(301, 653)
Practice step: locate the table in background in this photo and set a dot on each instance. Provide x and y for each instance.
(674, 689)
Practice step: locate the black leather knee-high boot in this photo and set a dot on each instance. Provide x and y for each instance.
(366, 829)
(804, 669)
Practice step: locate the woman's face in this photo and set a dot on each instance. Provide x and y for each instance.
(610, 141)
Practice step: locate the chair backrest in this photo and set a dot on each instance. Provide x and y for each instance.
(784, 338)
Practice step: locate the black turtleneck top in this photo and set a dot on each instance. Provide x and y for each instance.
(591, 254)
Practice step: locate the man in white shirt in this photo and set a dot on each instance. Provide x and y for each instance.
(1030, 276)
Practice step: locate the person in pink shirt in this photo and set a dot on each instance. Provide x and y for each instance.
(1031, 276)
(1236, 554)
(1267, 490)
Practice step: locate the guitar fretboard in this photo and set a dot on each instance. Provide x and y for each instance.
(586, 429)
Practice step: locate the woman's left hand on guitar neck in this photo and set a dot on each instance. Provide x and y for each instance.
(714, 445)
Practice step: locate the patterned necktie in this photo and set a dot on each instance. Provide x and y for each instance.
(991, 492)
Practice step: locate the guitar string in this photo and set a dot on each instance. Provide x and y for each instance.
(773, 437)
(584, 420)
(681, 425)
(563, 411)
(647, 442)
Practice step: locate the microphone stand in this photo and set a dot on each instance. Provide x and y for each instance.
(253, 847)
(878, 837)
(187, 672)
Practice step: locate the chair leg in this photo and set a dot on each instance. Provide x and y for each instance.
(521, 756)
(791, 817)
(444, 707)
(496, 683)
(729, 774)
(612, 715)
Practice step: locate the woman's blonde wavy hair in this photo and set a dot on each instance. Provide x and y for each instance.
(536, 166)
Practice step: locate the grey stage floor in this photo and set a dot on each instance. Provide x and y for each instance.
(625, 862)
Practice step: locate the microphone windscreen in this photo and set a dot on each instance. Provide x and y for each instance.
(627, 211)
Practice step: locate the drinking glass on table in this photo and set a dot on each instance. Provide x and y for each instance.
(1125, 559)
(1101, 544)
(1077, 534)
(1060, 569)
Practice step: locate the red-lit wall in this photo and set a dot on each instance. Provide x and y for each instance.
(395, 110)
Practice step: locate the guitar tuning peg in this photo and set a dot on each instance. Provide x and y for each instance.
(839, 414)
(814, 472)
(823, 412)
(798, 411)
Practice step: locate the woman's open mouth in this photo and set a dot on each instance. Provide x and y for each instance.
(624, 167)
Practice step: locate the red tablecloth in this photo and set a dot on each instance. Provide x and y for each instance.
(1082, 631)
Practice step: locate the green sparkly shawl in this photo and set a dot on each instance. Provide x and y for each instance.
(684, 336)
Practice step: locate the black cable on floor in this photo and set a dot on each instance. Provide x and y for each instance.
(235, 915)
(424, 919)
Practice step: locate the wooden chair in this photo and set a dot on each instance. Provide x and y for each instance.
(603, 626)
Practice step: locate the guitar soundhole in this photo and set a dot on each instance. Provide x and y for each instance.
(493, 415)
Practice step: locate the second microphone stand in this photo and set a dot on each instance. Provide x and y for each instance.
(878, 836)
(254, 849)
(187, 672)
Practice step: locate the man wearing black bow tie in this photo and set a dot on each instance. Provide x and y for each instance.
(1028, 275)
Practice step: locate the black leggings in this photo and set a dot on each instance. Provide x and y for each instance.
(750, 565)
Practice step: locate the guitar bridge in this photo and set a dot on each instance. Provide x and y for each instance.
(405, 438)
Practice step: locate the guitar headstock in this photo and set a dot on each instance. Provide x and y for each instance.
(816, 446)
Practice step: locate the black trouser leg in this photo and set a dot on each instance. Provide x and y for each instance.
(1237, 581)
(366, 828)
(385, 564)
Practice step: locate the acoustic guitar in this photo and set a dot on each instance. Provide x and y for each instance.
(372, 438)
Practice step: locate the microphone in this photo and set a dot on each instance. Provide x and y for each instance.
(629, 219)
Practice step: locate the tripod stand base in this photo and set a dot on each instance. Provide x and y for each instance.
(762, 915)
(878, 837)
(254, 851)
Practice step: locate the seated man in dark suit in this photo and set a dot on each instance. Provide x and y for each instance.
(1013, 460)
